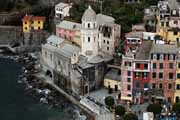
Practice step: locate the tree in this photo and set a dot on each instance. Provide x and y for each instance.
(130, 116)
(120, 110)
(155, 108)
(109, 101)
(176, 108)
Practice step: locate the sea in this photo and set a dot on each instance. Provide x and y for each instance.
(16, 104)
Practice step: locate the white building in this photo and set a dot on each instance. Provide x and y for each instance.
(62, 10)
(89, 33)
(148, 116)
(81, 69)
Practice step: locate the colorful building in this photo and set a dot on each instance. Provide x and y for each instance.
(141, 73)
(69, 31)
(177, 84)
(163, 64)
(133, 41)
(33, 23)
(127, 77)
(168, 20)
(112, 79)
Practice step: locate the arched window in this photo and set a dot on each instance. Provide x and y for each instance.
(88, 25)
(89, 39)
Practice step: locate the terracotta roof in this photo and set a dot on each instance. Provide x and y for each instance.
(38, 18)
(31, 17)
(27, 17)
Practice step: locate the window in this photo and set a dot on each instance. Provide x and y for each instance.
(128, 87)
(170, 76)
(128, 79)
(32, 22)
(161, 56)
(171, 57)
(169, 99)
(144, 75)
(94, 39)
(178, 65)
(45, 54)
(160, 75)
(104, 41)
(178, 87)
(138, 84)
(175, 22)
(154, 56)
(128, 64)
(146, 66)
(89, 39)
(146, 85)
(137, 65)
(177, 39)
(154, 65)
(175, 32)
(39, 28)
(107, 48)
(171, 65)
(129, 73)
(88, 25)
(153, 85)
(154, 75)
(39, 22)
(51, 57)
(137, 74)
(167, 24)
(25, 28)
(161, 66)
(160, 86)
(169, 86)
(25, 23)
(178, 75)
(108, 42)
(162, 23)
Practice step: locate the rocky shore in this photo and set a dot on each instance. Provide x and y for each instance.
(39, 90)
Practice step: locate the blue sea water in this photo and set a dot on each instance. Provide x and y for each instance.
(15, 104)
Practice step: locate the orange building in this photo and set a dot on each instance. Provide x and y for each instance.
(33, 23)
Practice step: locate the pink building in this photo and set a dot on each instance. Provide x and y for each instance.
(68, 30)
(127, 77)
(163, 72)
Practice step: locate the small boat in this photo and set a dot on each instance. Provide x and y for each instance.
(19, 81)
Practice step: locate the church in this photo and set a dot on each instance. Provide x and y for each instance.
(76, 57)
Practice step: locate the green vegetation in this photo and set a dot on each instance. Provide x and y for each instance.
(130, 116)
(120, 110)
(109, 101)
(155, 108)
(16, 5)
(125, 14)
(176, 108)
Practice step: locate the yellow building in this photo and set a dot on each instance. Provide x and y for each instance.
(173, 35)
(177, 84)
(113, 79)
(33, 23)
(162, 28)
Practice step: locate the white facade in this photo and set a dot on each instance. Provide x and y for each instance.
(89, 34)
(148, 116)
(62, 10)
